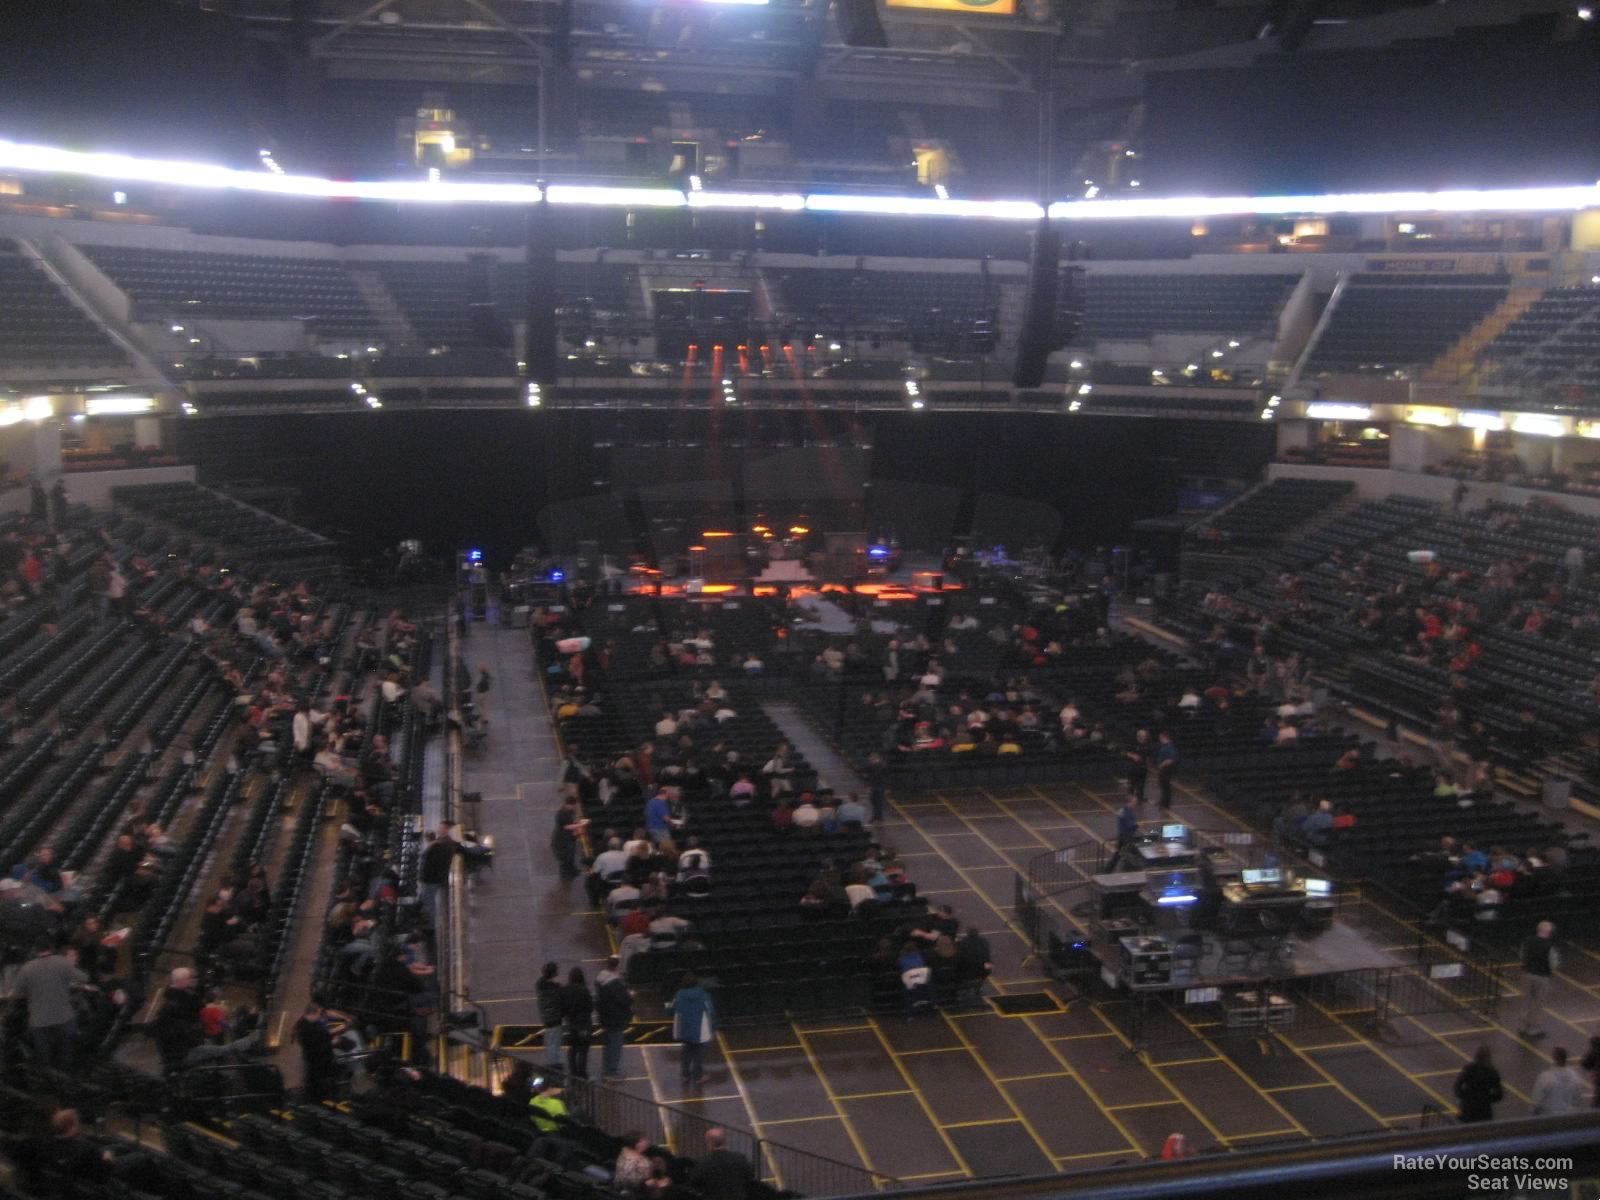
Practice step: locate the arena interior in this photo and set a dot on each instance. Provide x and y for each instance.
(737, 599)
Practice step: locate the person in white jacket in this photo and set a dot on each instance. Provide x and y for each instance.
(1560, 1087)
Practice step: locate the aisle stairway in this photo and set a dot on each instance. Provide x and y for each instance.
(399, 336)
(1457, 362)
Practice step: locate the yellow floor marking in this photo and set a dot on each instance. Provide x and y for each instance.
(922, 1101)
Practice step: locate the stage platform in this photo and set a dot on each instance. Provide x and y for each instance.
(1341, 947)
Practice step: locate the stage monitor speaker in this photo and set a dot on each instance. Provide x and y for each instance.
(540, 351)
(859, 23)
(1037, 337)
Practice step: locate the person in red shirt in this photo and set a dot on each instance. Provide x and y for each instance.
(214, 1018)
(635, 920)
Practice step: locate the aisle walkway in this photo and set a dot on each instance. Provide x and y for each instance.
(831, 769)
(520, 914)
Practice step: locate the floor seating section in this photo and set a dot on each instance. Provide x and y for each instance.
(39, 326)
(1386, 323)
(167, 285)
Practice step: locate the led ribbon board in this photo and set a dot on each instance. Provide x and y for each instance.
(125, 168)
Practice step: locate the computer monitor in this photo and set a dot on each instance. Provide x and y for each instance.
(1256, 876)
(1173, 833)
(1319, 887)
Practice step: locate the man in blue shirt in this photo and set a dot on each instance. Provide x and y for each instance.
(1166, 768)
(1314, 829)
(657, 818)
(1127, 825)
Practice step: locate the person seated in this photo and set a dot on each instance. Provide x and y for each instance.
(806, 814)
(634, 922)
(607, 870)
(694, 862)
(666, 927)
(856, 889)
(637, 1172)
(624, 896)
(335, 768)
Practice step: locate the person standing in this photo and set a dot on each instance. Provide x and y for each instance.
(1540, 958)
(316, 1055)
(564, 838)
(1166, 767)
(1560, 1088)
(693, 1025)
(1591, 1064)
(877, 794)
(720, 1173)
(433, 876)
(613, 1004)
(1127, 826)
(1478, 1088)
(46, 982)
(577, 1020)
(176, 1027)
(1138, 756)
(548, 992)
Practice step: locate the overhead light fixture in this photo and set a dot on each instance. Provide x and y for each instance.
(941, 191)
(1492, 422)
(31, 408)
(1321, 410)
(535, 395)
(926, 206)
(1439, 418)
(1538, 424)
(617, 197)
(758, 201)
(117, 406)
